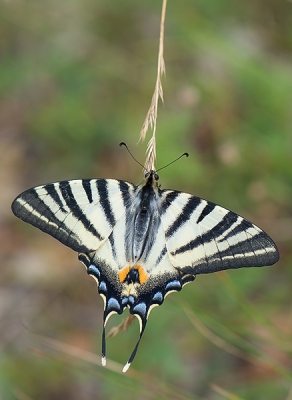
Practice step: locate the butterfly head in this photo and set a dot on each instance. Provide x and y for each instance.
(151, 178)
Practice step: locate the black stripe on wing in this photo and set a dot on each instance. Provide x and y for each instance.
(169, 198)
(51, 191)
(183, 217)
(102, 188)
(76, 210)
(127, 192)
(206, 211)
(87, 189)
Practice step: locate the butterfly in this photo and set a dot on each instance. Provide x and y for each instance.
(140, 242)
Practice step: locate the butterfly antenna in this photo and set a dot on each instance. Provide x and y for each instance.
(132, 356)
(183, 155)
(124, 144)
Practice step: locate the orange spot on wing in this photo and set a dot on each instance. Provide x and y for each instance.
(123, 273)
(143, 276)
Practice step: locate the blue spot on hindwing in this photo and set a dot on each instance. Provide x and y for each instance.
(157, 298)
(140, 309)
(113, 305)
(93, 270)
(125, 301)
(128, 301)
(173, 285)
(102, 288)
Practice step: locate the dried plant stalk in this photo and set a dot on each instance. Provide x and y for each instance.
(123, 326)
(151, 116)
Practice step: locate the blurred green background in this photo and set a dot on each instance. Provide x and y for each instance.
(76, 78)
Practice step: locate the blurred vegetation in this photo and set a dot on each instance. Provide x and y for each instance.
(76, 78)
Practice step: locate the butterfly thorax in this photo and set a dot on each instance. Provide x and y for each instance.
(144, 220)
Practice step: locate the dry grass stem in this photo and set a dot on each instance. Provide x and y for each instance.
(151, 116)
(225, 393)
(123, 326)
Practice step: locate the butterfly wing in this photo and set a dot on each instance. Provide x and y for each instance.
(79, 213)
(202, 237)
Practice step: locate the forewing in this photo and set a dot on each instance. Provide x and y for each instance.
(202, 237)
(79, 213)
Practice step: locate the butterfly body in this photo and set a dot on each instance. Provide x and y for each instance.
(141, 242)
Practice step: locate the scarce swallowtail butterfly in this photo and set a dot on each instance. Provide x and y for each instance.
(141, 242)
